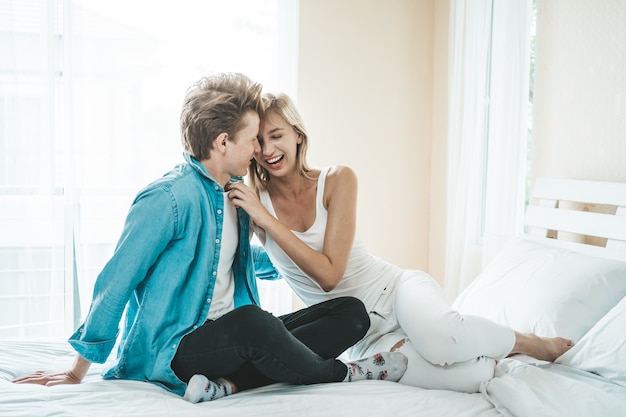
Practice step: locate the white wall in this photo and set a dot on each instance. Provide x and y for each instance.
(365, 90)
(580, 103)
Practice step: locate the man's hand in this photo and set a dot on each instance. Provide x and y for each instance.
(49, 379)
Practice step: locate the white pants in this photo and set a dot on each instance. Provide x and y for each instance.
(446, 350)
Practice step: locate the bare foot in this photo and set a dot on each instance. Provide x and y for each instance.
(542, 348)
(398, 345)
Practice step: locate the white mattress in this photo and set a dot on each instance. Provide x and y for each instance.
(519, 389)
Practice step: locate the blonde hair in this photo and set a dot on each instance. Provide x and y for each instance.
(215, 105)
(282, 105)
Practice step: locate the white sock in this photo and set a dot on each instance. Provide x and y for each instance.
(384, 365)
(200, 388)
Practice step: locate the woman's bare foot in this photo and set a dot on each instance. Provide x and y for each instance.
(398, 345)
(542, 348)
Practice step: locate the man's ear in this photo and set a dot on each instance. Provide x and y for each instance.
(221, 141)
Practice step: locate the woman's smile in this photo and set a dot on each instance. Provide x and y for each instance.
(275, 162)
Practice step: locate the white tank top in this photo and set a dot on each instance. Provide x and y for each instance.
(365, 277)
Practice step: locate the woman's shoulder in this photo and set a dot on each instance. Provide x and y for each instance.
(341, 181)
(341, 174)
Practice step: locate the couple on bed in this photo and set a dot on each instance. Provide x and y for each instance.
(185, 273)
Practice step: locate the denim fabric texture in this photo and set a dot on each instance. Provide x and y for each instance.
(162, 274)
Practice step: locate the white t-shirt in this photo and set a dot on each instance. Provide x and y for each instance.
(223, 293)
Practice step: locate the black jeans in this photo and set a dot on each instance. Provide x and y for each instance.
(252, 348)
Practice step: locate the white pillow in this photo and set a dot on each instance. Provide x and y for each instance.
(603, 349)
(549, 291)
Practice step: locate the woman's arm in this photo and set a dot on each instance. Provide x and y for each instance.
(328, 267)
(72, 376)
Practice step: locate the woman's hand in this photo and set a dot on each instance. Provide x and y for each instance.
(49, 379)
(245, 197)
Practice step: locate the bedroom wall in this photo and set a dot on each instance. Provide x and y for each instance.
(580, 102)
(365, 90)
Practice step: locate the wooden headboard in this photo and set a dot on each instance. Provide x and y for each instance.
(584, 216)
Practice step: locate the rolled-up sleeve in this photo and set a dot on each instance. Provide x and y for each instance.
(96, 352)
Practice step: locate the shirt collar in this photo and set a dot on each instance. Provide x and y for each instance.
(197, 165)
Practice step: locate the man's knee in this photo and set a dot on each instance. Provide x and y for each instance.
(252, 313)
(354, 309)
(256, 322)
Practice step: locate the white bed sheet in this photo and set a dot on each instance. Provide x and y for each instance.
(520, 389)
(98, 397)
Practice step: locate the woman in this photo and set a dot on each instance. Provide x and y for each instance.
(306, 219)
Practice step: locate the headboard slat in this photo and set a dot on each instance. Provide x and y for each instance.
(581, 222)
(545, 215)
(597, 192)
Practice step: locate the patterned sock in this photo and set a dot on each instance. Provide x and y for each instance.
(200, 388)
(384, 365)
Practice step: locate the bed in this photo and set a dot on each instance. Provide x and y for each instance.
(566, 276)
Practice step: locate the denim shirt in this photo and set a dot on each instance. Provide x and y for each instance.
(162, 274)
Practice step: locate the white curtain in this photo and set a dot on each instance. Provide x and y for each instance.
(489, 59)
(90, 96)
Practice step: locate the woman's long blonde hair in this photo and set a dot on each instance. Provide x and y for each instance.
(282, 105)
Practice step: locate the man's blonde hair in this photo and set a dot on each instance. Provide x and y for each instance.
(216, 104)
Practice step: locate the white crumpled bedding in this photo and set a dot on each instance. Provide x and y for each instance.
(519, 390)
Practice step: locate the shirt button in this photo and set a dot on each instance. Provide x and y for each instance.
(195, 326)
(217, 241)
(214, 273)
(174, 346)
(208, 300)
(216, 187)
(219, 211)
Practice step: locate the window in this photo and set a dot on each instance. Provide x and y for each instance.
(90, 95)
(531, 96)
(487, 132)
